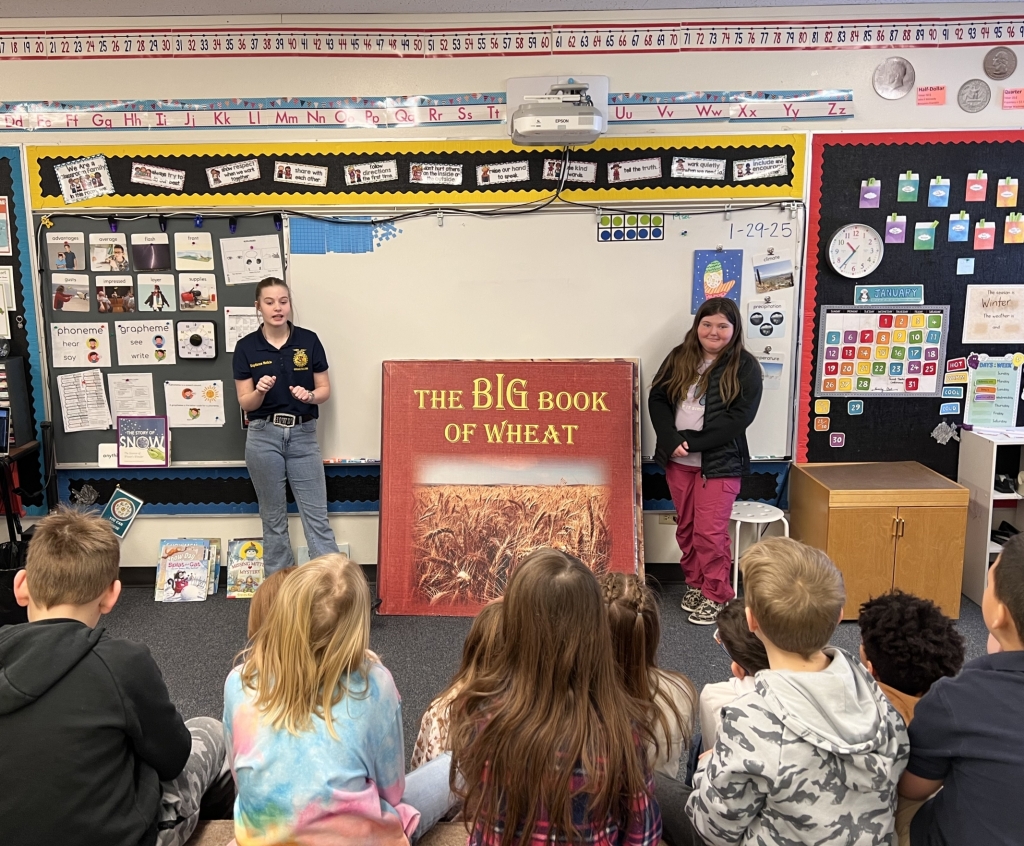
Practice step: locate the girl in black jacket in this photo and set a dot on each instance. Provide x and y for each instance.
(704, 397)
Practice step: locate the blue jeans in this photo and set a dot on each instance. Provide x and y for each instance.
(426, 789)
(275, 455)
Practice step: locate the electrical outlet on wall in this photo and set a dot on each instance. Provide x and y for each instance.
(667, 520)
(302, 554)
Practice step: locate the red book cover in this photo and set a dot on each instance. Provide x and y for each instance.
(485, 461)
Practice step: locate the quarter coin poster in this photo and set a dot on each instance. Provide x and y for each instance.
(485, 461)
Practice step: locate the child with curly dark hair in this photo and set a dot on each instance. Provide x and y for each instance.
(908, 644)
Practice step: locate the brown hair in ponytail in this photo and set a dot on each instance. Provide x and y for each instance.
(636, 631)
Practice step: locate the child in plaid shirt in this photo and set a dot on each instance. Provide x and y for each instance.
(547, 744)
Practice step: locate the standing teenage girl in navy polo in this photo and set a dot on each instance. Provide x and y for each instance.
(281, 378)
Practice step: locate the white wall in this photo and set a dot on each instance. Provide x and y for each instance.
(811, 69)
(211, 78)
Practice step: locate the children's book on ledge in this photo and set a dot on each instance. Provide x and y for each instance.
(245, 567)
(183, 572)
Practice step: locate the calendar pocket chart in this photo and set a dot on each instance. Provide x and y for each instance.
(881, 351)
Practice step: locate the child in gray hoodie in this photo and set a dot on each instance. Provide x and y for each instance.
(813, 755)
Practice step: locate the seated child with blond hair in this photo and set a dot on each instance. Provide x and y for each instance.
(814, 753)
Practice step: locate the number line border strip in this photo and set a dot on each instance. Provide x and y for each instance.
(559, 38)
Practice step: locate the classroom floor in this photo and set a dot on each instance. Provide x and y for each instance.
(195, 645)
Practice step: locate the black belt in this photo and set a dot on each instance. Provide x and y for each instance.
(287, 421)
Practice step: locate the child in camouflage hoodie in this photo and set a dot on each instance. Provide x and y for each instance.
(812, 756)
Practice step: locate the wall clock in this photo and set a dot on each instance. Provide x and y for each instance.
(855, 250)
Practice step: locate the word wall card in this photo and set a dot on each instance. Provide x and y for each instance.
(888, 351)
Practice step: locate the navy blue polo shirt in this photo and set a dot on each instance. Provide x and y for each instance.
(294, 364)
(968, 732)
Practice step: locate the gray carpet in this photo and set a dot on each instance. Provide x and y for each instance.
(195, 645)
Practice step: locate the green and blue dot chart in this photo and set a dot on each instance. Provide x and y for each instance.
(630, 226)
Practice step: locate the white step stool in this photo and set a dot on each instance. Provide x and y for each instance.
(759, 514)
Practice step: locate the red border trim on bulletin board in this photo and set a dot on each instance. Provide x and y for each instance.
(813, 246)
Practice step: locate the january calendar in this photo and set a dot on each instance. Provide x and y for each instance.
(881, 351)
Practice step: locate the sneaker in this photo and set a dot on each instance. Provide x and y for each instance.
(692, 599)
(707, 613)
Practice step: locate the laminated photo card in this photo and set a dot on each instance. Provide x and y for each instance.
(108, 252)
(65, 251)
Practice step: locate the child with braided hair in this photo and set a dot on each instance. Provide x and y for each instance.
(670, 697)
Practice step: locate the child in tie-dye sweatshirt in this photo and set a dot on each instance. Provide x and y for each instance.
(314, 725)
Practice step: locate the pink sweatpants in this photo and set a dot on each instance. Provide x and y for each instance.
(703, 507)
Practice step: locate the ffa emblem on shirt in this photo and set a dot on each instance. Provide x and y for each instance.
(300, 359)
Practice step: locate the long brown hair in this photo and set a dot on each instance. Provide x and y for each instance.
(682, 367)
(635, 625)
(482, 645)
(313, 648)
(552, 702)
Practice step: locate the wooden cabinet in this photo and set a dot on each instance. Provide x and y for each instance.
(885, 525)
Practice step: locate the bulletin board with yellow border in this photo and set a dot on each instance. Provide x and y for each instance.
(195, 160)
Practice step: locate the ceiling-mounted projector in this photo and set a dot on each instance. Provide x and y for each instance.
(565, 116)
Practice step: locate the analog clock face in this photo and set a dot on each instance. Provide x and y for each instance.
(855, 250)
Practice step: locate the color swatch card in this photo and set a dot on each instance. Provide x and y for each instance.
(959, 227)
(907, 187)
(1013, 229)
(924, 234)
(1006, 193)
(896, 229)
(870, 193)
(888, 351)
(985, 235)
(977, 187)
(938, 193)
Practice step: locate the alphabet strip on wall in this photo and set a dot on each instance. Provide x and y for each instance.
(408, 164)
(255, 113)
(563, 38)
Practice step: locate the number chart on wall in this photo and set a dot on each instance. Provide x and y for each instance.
(881, 351)
(915, 253)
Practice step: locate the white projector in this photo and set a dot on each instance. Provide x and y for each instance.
(565, 117)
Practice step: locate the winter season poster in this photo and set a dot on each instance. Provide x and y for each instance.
(514, 456)
(716, 273)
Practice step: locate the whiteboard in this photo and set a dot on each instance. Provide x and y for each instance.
(531, 286)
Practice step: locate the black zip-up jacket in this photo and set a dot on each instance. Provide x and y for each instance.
(722, 443)
(87, 733)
